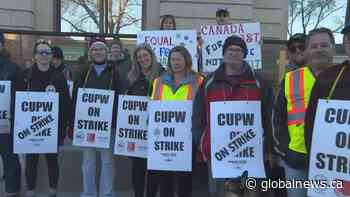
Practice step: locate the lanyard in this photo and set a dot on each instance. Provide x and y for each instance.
(89, 72)
(335, 83)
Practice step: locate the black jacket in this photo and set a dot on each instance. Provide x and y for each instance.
(33, 79)
(108, 80)
(281, 137)
(139, 88)
(321, 90)
(8, 72)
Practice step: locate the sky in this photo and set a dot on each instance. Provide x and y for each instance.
(135, 11)
(330, 22)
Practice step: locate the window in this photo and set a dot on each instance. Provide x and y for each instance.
(101, 16)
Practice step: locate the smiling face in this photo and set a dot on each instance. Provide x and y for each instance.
(177, 62)
(234, 56)
(144, 58)
(320, 50)
(222, 18)
(168, 24)
(43, 55)
(98, 53)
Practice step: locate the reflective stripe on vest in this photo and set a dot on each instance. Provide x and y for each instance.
(162, 91)
(298, 86)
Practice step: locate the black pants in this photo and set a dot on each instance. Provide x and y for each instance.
(139, 166)
(166, 181)
(32, 169)
(12, 172)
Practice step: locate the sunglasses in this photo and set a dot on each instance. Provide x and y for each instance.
(44, 52)
(293, 48)
(43, 41)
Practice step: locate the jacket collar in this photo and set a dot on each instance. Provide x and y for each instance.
(220, 74)
(168, 79)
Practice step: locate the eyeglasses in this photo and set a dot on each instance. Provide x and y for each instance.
(43, 41)
(293, 48)
(235, 50)
(44, 52)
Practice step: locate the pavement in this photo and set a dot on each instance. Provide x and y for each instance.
(70, 182)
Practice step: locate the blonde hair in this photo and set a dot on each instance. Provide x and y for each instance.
(135, 70)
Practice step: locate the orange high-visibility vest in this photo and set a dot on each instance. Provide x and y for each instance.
(162, 91)
(298, 86)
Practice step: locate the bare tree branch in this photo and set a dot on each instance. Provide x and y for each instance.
(116, 21)
(311, 13)
(330, 13)
(73, 25)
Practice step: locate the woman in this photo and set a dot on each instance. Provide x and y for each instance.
(145, 63)
(144, 70)
(42, 77)
(168, 23)
(180, 82)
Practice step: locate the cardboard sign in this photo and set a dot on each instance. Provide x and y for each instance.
(236, 136)
(93, 118)
(5, 106)
(170, 136)
(131, 133)
(36, 122)
(214, 37)
(163, 41)
(330, 149)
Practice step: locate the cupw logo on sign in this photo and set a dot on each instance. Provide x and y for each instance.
(91, 137)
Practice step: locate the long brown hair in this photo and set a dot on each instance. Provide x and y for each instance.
(187, 56)
(135, 70)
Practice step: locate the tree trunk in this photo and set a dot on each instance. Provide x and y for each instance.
(101, 16)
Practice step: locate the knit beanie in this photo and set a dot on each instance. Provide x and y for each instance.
(235, 40)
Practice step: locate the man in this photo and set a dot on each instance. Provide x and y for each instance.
(291, 105)
(233, 80)
(100, 75)
(222, 16)
(297, 58)
(296, 51)
(12, 169)
(322, 89)
(120, 58)
(58, 63)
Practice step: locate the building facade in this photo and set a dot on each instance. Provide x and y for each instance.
(189, 14)
(28, 15)
(43, 15)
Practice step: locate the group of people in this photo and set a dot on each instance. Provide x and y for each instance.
(287, 121)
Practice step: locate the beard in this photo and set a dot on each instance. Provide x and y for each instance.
(321, 59)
